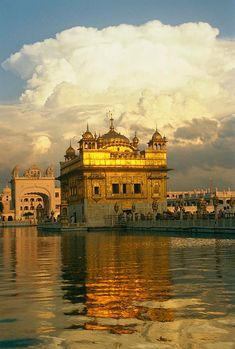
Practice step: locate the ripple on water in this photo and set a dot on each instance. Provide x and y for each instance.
(116, 290)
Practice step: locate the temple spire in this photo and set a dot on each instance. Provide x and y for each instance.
(111, 124)
(110, 116)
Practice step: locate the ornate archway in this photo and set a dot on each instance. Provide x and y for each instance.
(33, 188)
(30, 199)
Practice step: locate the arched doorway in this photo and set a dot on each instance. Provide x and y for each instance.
(40, 204)
(30, 200)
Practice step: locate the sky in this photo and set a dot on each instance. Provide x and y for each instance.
(64, 63)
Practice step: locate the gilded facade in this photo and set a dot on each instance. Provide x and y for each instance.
(110, 177)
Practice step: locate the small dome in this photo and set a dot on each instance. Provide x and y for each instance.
(87, 134)
(6, 190)
(156, 136)
(70, 152)
(135, 140)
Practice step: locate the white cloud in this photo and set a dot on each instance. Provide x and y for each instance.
(146, 75)
(41, 144)
(177, 72)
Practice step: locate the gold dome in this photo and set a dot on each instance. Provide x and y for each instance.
(114, 137)
(87, 135)
(70, 151)
(135, 140)
(156, 136)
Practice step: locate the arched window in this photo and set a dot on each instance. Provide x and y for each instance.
(156, 188)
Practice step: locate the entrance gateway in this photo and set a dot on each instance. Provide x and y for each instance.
(34, 193)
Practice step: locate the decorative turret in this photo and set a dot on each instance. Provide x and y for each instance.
(88, 141)
(87, 135)
(50, 171)
(99, 141)
(6, 190)
(157, 142)
(70, 153)
(15, 172)
(135, 141)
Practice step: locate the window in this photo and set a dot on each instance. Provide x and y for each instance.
(31, 207)
(32, 199)
(96, 190)
(26, 208)
(115, 188)
(156, 189)
(26, 200)
(57, 194)
(124, 188)
(137, 188)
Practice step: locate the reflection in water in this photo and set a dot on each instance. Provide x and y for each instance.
(109, 272)
(29, 274)
(73, 288)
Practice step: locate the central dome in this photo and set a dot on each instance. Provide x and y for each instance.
(114, 137)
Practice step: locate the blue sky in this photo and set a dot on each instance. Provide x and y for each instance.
(27, 21)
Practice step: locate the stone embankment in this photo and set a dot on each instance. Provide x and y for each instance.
(26, 223)
(223, 225)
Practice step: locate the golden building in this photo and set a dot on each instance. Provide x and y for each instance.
(110, 177)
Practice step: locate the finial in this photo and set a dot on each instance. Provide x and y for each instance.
(111, 124)
(110, 116)
(87, 128)
(70, 142)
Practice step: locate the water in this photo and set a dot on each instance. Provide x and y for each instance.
(115, 290)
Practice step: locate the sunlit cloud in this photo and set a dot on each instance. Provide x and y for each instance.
(180, 78)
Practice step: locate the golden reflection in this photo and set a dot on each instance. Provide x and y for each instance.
(123, 270)
(115, 273)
